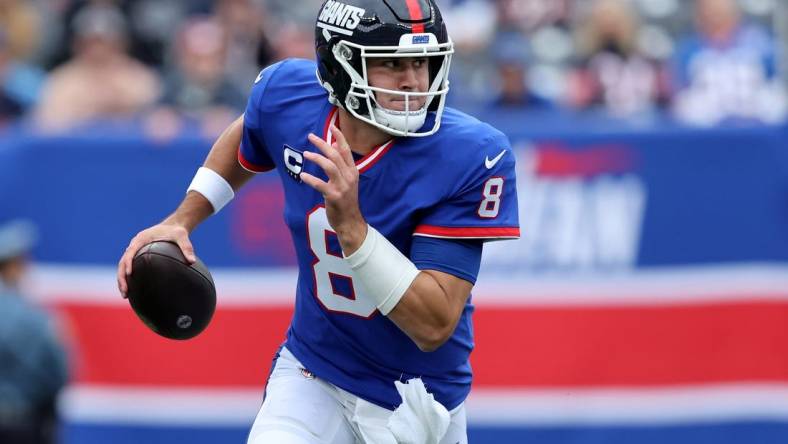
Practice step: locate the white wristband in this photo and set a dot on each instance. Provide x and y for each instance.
(213, 186)
(384, 272)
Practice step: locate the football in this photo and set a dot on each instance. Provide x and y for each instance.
(172, 297)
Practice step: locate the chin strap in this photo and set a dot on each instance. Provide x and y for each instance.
(409, 121)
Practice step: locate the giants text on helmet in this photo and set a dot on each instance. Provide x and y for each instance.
(340, 14)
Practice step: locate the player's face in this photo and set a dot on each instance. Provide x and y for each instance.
(408, 74)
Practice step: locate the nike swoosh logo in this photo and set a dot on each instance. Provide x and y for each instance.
(489, 163)
(259, 77)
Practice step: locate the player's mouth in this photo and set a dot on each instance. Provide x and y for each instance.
(414, 104)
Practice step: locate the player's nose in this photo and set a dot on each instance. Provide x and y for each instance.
(408, 79)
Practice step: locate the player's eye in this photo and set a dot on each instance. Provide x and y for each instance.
(418, 63)
(390, 63)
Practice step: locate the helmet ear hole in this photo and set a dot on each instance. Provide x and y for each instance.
(355, 59)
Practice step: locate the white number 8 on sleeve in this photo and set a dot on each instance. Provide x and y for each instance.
(491, 202)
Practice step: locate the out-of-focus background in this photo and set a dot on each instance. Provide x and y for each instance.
(647, 301)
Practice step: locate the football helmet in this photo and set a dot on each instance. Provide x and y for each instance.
(350, 32)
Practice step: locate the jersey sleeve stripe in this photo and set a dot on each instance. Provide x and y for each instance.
(467, 232)
(249, 166)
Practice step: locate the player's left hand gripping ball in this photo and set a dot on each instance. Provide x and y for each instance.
(175, 299)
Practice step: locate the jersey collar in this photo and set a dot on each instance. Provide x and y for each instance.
(371, 158)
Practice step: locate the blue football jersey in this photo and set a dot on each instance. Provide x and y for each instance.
(457, 184)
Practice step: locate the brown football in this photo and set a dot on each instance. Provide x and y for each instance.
(172, 297)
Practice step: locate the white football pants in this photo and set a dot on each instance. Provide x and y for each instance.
(302, 409)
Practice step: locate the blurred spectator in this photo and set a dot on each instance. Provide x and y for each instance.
(612, 72)
(151, 23)
(546, 24)
(197, 87)
(20, 83)
(199, 81)
(300, 12)
(292, 40)
(510, 51)
(101, 81)
(148, 30)
(727, 70)
(247, 48)
(470, 72)
(529, 15)
(476, 19)
(32, 361)
(20, 20)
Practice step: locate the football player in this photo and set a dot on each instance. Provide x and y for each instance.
(389, 199)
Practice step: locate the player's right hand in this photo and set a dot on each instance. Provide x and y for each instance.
(160, 232)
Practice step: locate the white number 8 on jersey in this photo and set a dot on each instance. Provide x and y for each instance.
(328, 265)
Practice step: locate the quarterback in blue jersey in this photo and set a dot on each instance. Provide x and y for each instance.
(389, 197)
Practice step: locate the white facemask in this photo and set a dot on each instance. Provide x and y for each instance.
(394, 122)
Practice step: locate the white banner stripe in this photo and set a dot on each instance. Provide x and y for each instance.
(515, 406)
(98, 285)
(145, 405)
(271, 286)
(651, 286)
(648, 406)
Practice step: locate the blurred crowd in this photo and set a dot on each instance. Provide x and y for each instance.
(170, 66)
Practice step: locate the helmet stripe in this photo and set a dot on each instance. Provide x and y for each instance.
(415, 14)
